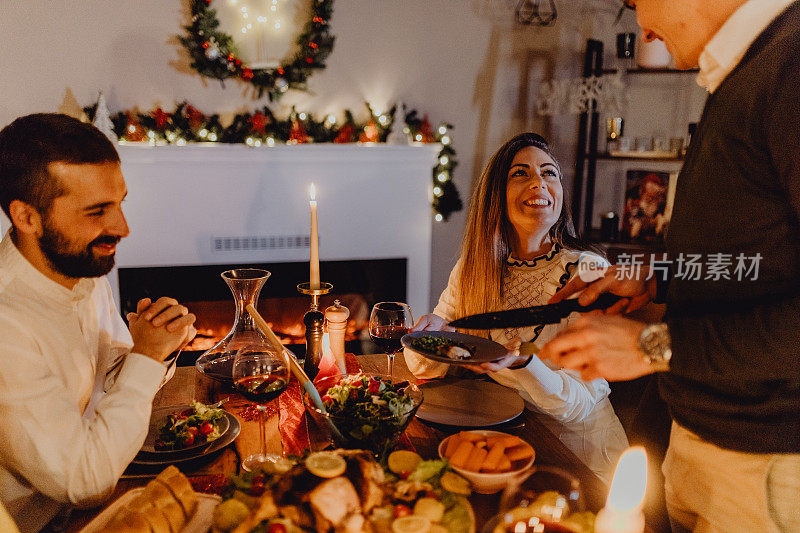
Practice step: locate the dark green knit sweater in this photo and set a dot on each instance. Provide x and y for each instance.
(735, 370)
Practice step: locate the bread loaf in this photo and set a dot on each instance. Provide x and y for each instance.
(164, 506)
(180, 488)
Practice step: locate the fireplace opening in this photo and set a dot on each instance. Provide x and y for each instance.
(357, 284)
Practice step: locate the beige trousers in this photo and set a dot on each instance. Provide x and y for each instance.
(710, 489)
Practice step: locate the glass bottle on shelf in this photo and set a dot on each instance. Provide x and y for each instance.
(217, 362)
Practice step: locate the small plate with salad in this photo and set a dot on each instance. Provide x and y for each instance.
(453, 347)
(181, 428)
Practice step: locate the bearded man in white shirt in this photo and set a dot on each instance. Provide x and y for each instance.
(76, 385)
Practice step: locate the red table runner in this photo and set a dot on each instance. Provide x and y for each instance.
(292, 423)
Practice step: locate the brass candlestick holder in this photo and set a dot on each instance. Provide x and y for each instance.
(314, 321)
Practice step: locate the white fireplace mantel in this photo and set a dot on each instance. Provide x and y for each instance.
(184, 201)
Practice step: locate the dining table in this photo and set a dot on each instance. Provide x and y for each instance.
(189, 384)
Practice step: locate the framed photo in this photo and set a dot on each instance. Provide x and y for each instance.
(645, 216)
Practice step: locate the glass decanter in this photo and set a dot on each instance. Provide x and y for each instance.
(217, 362)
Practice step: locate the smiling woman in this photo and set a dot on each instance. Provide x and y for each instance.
(519, 248)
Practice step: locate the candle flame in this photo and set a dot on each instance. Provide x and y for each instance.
(312, 192)
(629, 482)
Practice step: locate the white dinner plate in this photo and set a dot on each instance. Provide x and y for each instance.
(163, 459)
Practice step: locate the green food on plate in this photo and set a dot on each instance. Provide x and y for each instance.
(197, 424)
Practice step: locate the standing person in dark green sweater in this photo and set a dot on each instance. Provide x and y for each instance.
(728, 352)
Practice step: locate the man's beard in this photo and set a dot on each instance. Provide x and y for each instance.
(83, 264)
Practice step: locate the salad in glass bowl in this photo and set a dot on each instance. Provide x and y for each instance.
(365, 411)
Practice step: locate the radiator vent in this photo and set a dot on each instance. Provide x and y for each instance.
(265, 242)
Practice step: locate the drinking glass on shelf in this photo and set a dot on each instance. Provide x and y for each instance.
(540, 502)
(260, 375)
(388, 322)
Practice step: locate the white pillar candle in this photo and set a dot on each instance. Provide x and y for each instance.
(314, 264)
(623, 510)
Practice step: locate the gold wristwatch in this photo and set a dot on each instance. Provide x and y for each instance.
(656, 345)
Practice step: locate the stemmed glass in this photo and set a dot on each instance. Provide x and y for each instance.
(388, 322)
(539, 501)
(260, 375)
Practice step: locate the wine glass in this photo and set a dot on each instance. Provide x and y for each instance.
(388, 322)
(539, 501)
(260, 375)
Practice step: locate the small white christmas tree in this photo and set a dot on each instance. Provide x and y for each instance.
(102, 119)
(399, 132)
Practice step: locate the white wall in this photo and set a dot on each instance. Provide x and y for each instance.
(444, 57)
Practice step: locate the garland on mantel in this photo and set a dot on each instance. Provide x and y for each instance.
(261, 128)
(214, 53)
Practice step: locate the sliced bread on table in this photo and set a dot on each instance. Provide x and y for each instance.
(164, 506)
(180, 488)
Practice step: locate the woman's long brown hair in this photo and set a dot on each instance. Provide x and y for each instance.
(488, 233)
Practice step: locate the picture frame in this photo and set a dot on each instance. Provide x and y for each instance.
(648, 200)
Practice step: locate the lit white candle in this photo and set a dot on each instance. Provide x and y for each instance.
(623, 510)
(314, 268)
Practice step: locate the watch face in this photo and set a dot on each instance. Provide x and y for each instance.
(655, 343)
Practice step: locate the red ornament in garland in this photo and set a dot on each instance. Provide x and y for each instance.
(134, 131)
(259, 122)
(297, 135)
(371, 134)
(161, 117)
(345, 134)
(196, 118)
(425, 130)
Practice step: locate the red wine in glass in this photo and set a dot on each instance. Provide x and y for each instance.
(388, 322)
(388, 337)
(260, 374)
(262, 388)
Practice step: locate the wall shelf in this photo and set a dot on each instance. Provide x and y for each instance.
(587, 152)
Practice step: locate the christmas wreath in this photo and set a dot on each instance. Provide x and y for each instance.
(214, 54)
(262, 128)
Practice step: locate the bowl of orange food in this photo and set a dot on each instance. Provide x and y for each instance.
(488, 459)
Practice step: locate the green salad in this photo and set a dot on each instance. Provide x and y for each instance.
(369, 411)
(198, 424)
(443, 347)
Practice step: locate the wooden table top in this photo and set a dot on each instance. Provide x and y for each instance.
(188, 384)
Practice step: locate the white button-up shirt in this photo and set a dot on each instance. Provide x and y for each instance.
(63, 438)
(728, 46)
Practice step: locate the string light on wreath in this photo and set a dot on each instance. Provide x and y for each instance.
(261, 129)
(214, 54)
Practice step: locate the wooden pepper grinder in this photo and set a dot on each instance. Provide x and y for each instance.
(336, 320)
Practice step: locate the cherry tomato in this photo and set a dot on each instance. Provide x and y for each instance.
(192, 430)
(206, 428)
(374, 385)
(276, 528)
(401, 510)
(188, 441)
(256, 489)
